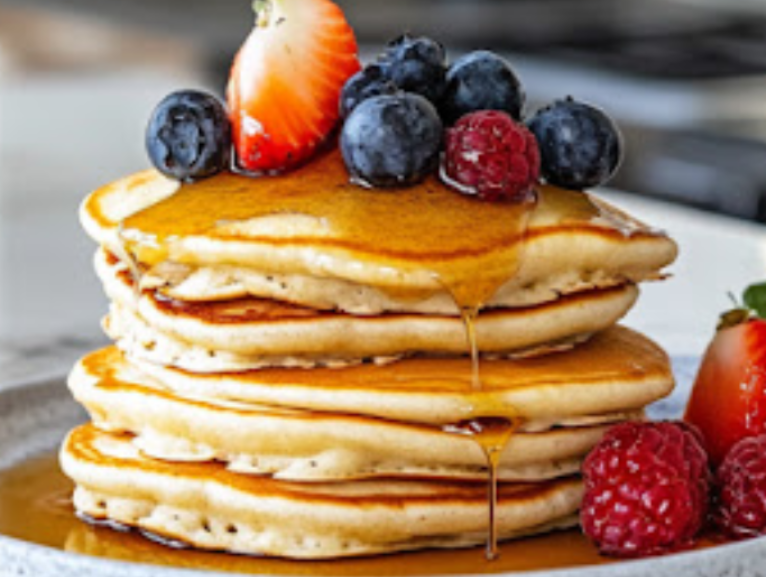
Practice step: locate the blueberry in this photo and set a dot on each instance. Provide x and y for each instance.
(372, 81)
(189, 136)
(481, 80)
(580, 146)
(392, 140)
(416, 65)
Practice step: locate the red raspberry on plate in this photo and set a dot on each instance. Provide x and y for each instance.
(491, 156)
(741, 484)
(646, 489)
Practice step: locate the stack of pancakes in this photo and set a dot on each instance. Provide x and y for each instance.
(293, 375)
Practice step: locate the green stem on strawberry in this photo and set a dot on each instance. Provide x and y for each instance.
(752, 306)
(733, 318)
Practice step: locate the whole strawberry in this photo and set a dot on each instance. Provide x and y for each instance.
(646, 489)
(728, 401)
(491, 156)
(741, 483)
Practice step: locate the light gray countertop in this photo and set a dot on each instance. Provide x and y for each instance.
(53, 151)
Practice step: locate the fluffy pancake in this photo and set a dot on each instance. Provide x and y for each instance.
(250, 332)
(618, 370)
(310, 237)
(211, 508)
(306, 445)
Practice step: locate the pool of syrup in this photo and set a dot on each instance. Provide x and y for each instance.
(35, 505)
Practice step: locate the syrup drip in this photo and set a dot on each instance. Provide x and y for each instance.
(492, 434)
(469, 316)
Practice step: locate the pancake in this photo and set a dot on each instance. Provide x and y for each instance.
(251, 333)
(311, 238)
(211, 508)
(618, 370)
(306, 445)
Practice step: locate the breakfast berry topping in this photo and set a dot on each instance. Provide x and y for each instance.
(491, 156)
(646, 489)
(728, 401)
(189, 136)
(741, 489)
(580, 146)
(297, 77)
(286, 81)
(369, 82)
(481, 81)
(392, 140)
(416, 65)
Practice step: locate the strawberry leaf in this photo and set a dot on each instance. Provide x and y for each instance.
(754, 298)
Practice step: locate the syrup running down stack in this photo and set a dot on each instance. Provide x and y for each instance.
(307, 368)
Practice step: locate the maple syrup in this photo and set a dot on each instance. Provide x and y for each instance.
(466, 243)
(492, 434)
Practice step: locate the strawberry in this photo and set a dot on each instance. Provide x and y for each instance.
(728, 401)
(284, 88)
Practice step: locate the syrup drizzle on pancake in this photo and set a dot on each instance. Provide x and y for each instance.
(468, 245)
(492, 434)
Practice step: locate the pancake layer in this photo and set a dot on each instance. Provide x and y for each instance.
(307, 445)
(617, 370)
(251, 333)
(211, 508)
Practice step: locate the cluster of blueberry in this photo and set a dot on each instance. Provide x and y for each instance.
(397, 107)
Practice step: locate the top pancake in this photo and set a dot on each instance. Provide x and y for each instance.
(409, 244)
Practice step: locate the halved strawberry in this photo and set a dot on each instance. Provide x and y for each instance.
(728, 402)
(284, 88)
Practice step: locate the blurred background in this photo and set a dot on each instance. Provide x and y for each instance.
(686, 80)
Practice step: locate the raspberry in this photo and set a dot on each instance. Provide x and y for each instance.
(491, 156)
(741, 483)
(646, 489)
